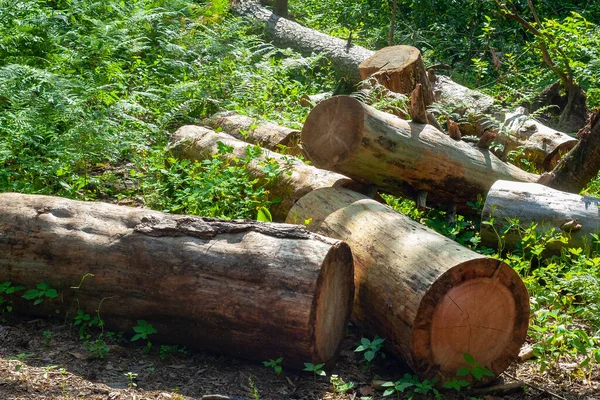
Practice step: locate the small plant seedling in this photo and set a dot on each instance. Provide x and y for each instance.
(370, 347)
(5, 287)
(411, 385)
(165, 350)
(97, 348)
(456, 384)
(477, 370)
(274, 364)
(19, 357)
(47, 337)
(316, 369)
(47, 369)
(143, 330)
(43, 292)
(131, 376)
(339, 386)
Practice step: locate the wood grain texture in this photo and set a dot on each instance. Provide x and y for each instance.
(243, 288)
(431, 298)
(297, 178)
(534, 203)
(399, 157)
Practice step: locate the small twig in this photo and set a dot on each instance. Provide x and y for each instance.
(531, 385)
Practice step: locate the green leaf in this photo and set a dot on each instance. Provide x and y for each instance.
(477, 373)
(388, 384)
(469, 359)
(388, 392)
(360, 348)
(31, 294)
(264, 215)
(463, 371)
(136, 337)
(51, 293)
(38, 301)
(321, 373)
(369, 355)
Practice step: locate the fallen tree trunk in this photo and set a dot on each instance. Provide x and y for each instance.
(400, 69)
(576, 216)
(432, 299)
(265, 134)
(581, 164)
(343, 135)
(345, 56)
(296, 179)
(244, 288)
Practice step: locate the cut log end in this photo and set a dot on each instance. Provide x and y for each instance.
(481, 309)
(334, 301)
(333, 130)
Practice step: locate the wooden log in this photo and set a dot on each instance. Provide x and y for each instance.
(582, 163)
(400, 69)
(244, 288)
(265, 134)
(431, 298)
(575, 215)
(344, 56)
(297, 179)
(343, 135)
(418, 112)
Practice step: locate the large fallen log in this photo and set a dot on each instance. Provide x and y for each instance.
(243, 288)
(296, 179)
(400, 69)
(582, 163)
(345, 56)
(432, 299)
(343, 135)
(265, 134)
(576, 216)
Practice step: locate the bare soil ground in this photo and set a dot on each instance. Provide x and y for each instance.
(57, 366)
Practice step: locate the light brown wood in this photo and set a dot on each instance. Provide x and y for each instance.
(243, 288)
(398, 68)
(431, 298)
(453, 130)
(418, 112)
(575, 215)
(263, 133)
(343, 135)
(297, 178)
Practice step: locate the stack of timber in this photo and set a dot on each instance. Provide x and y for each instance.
(265, 134)
(244, 288)
(574, 215)
(297, 179)
(399, 157)
(433, 299)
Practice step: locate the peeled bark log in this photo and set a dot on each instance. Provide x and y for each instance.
(400, 69)
(582, 163)
(431, 298)
(265, 134)
(297, 179)
(244, 288)
(343, 135)
(576, 216)
(344, 56)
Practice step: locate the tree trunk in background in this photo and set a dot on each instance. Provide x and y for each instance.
(265, 134)
(343, 135)
(297, 178)
(393, 23)
(281, 8)
(400, 69)
(581, 164)
(431, 298)
(344, 57)
(244, 288)
(576, 216)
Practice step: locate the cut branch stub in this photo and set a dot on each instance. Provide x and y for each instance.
(400, 69)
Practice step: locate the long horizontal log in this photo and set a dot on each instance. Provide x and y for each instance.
(297, 178)
(244, 288)
(345, 57)
(265, 134)
(574, 215)
(432, 299)
(343, 135)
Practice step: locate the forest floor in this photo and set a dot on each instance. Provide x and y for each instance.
(44, 359)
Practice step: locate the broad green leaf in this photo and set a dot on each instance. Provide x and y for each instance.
(463, 371)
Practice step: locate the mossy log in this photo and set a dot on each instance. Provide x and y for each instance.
(296, 179)
(432, 299)
(400, 157)
(249, 289)
(574, 215)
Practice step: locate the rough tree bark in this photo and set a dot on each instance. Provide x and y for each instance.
(576, 216)
(581, 164)
(345, 57)
(400, 69)
(244, 288)
(343, 135)
(431, 298)
(297, 179)
(265, 134)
